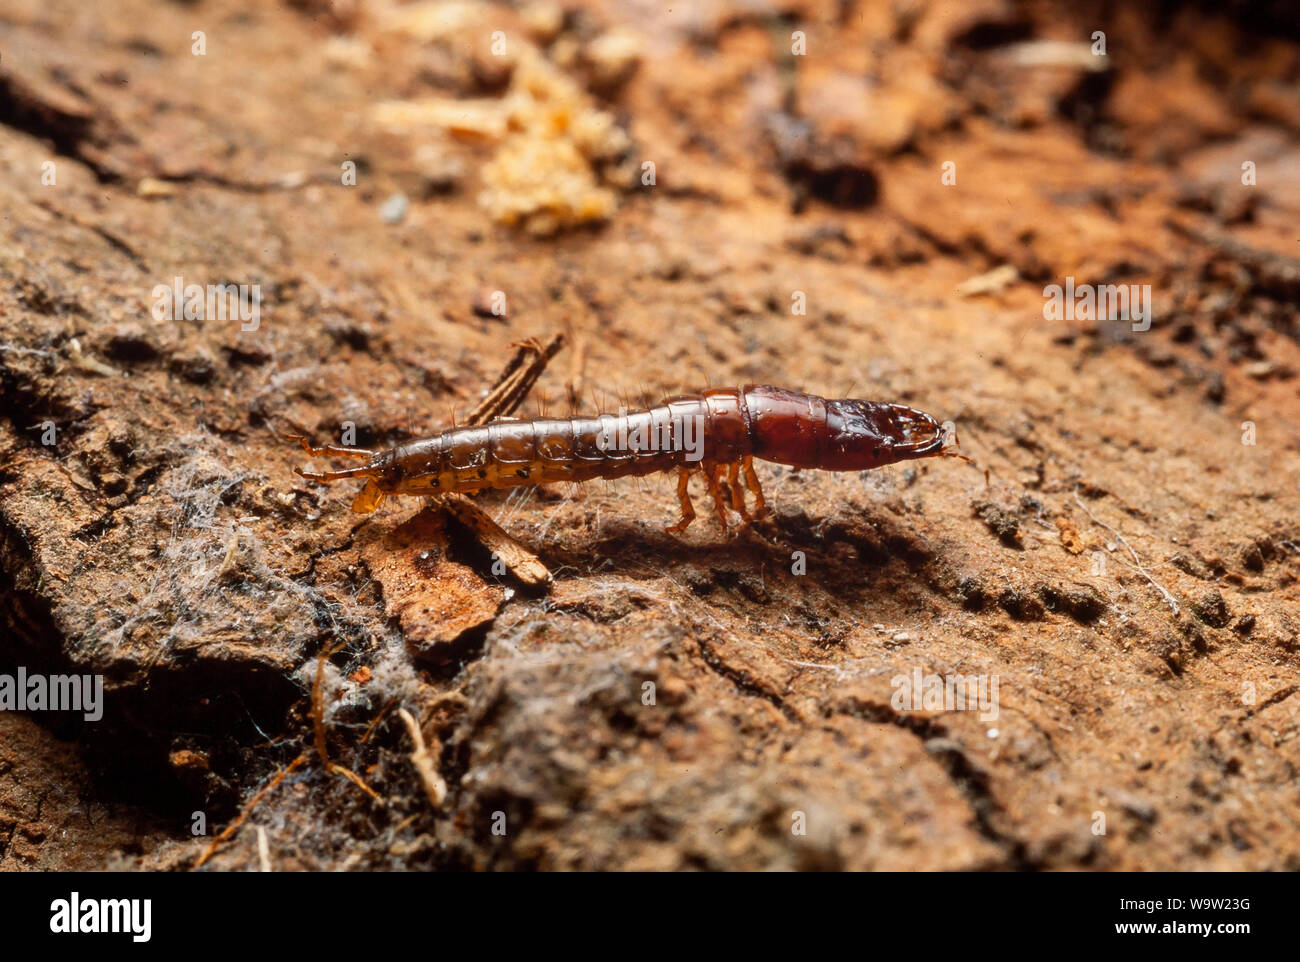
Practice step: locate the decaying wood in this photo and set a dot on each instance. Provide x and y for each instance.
(521, 562)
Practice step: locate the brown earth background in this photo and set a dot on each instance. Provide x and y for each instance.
(1128, 570)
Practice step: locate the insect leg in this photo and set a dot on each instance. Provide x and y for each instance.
(683, 498)
(327, 476)
(331, 450)
(751, 482)
(737, 492)
(712, 473)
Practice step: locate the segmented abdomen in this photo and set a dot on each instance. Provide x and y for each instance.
(688, 430)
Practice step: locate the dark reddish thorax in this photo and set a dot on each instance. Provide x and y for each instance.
(806, 431)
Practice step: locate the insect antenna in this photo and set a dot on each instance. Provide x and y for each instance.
(331, 450)
(327, 476)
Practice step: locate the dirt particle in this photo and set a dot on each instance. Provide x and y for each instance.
(971, 593)
(1140, 809)
(752, 587)
(611, 60)
(1212, 609)
(393, 210)
(543, 20)
(1021, 605)
(131, 344)
(1001, 521)
(1084, 603)
(189, 761)
(1071, 540)
(1252, 558)
(488, 302)
(197, 365)
(1192, 566)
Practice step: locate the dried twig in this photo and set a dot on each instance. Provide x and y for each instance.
(530, 360)
(521, 562)
(422, 759)
(378, 718)
(233, 827)
(992, 282)
(263, 850)
(318, 723)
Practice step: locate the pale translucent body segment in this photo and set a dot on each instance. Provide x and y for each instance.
(512, 443)
(690, 430)
(586, 443)
(655, 433)
(613, 438)
(555, 446)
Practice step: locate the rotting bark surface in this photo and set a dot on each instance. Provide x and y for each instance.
(163, 540)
